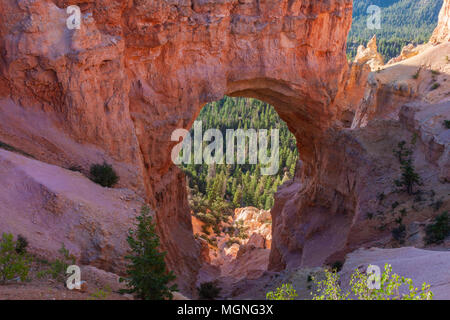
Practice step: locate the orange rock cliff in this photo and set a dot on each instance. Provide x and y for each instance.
(115, 90)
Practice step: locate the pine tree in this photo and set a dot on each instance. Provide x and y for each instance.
(237, 198)
(147, 275)
(269, 203)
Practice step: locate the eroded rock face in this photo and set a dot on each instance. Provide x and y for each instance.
(442, 32)
(370, 55)
(354, 202)
(51, 206)
(324, 213)
(136, 70)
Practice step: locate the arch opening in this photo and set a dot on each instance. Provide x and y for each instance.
(230, 193)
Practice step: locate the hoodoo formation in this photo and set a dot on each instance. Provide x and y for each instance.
(115, 90)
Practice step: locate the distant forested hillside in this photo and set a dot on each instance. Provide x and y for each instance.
(221, 188)
(402, 22)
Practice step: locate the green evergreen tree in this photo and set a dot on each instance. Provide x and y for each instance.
(147, 275)
(237, 198)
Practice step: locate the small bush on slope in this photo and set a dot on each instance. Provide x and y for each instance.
(21, 244)
(104, 175)
(208, 290)
(12, 263)
(57, 268)
(147, 275)
(439, 230)
(409, 177)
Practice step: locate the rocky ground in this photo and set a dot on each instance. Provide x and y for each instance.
(97, 285)
(240, 254)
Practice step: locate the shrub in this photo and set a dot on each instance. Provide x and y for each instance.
(104, 175)
(232, 241)
(446, 124)
(57, 268)
(409, 177)
(21, 244)
(437, 205)
(439, 230)
(12, 263)
(435, 86)
(390, 285)
(208, 290)
(337, 266)
(8, 147)
(286, 292)
(381, 196)
(435, 72)
(399, 233)
(76, 168)
(147, 275)
(100, 294)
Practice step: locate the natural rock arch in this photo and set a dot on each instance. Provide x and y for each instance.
(138, 70)
(275, 51)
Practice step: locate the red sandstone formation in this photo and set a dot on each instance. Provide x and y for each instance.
(136, 70)
(116, 89)
(442, 31)
(318, 218)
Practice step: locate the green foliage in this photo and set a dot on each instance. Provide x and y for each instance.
(12, 263)
(21, 244)
(8, 147)
(439, 229)
(240, 230)
(100, 294)
(57, 268)
(435, 72)
(391, 288)
(337, 266)
(446, 124)
(409, 177)
(221, 188)
(399, 233)
(147, 275)
(285, 292)
(232, 241)
(435, 86)
(402, 22)
(104, 175)
(208, 290)
(329, 288)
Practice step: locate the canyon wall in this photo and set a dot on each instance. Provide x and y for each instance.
(351, 200)
(442, 31)
(115, 89)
